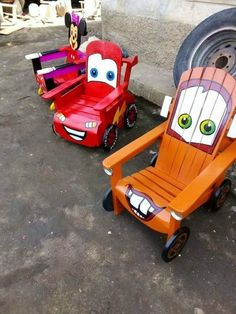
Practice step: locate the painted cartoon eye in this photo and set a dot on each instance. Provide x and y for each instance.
(207, 127)
(110, 75)
(185, 121)
(94, 72)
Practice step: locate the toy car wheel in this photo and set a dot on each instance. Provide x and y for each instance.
(175, 244)
(110, 137)
(153, 160)
(53, 130)
(220, 195)
(131, 116)
(212, 43)
(107, 201)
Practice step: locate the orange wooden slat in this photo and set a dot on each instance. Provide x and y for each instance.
(171, 189)
(163, 175)
(152, 185)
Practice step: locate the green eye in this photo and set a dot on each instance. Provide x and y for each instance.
(185, 121)
(207, 127)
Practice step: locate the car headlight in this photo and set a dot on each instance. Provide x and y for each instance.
(108, 171)
(176, 216)
(91, 124)
(61, 116)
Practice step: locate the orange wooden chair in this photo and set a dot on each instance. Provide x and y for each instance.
(197, 146)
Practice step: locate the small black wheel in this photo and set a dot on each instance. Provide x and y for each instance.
(153, 160)
(131, 116)
(175, 244)
(83, 27)
(107, 202)
(110, 137)
(53, 130)
(220, 195)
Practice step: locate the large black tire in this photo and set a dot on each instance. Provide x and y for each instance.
(212, 43)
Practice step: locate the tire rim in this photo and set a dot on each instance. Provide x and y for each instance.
(217, 50)
(132, 116)
(177, 246)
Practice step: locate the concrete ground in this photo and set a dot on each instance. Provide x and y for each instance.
(60, 252)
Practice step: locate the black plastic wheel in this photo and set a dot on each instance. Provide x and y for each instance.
(110, 137)
(53, 130)
(131, 114)
(107, 202)
(175, 244)
(67, 19)
(220, 195)
(212, 43)
(153, 160)
(83, 27)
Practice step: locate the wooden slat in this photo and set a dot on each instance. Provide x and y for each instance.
(157, 199)
(152, 185)
(160, 183)
(165, 176)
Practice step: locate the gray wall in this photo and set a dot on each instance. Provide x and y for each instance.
(153, 29)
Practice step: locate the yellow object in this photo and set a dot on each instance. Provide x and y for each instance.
(40, 91)
(52, 106)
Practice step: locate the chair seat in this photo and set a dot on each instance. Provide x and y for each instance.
(148, 191)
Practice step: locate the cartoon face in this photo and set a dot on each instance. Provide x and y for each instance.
(199, 113)
(102, 70)
(74, 36)
(142, 205)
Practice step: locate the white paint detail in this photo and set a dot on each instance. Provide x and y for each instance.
(46, 70)
(33, 56)
(200, 106)
(144, 206)
(77, 138)
(74, 132)
(232, 130)
(166, 106)
(135, 200)
(102, 66)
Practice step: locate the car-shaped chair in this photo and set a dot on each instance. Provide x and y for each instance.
(91, 108)
(50, 77)
(197, 147)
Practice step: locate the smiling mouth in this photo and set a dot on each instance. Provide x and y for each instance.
(75, 134)
(142, 206)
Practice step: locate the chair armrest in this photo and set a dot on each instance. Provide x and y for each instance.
(111, 98)
(135, 147)
(131, 61)
(63, 87)
(184, 203)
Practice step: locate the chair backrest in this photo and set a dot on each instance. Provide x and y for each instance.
(104, 61)
(198, 123)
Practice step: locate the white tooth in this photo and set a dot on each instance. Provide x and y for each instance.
(151, 209)
(76, 138)
(144, 206)
(130, 192)
(135, 200)
(74, 132)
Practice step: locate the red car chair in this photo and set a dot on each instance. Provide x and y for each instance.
(91, 108)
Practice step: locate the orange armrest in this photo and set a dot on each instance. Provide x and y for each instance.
(135, 147)
(61, 88)
(110, 98)
(131, 61)
(185, 200)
